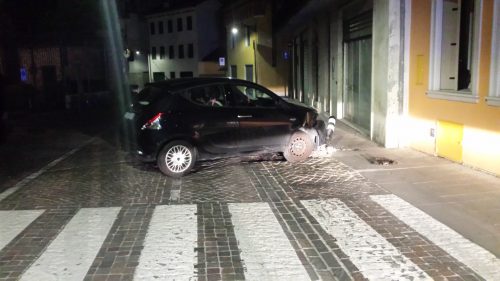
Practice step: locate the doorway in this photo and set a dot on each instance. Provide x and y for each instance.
(249, 72)
(358, 70)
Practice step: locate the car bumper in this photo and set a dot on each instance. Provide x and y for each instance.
(145, 157)
(321, 132)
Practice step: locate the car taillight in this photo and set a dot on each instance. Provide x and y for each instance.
(153, 123)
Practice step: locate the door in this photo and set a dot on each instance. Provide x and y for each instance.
(213, 123)
(262, 124)
(358, 70)
(357, 103)
(49, 78)
(234, 72)
(249, 72)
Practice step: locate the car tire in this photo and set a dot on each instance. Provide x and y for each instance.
(176, 159)
(299, 147)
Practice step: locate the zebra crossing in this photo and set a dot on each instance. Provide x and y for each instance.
(70, 255)
(170, 250)
(368, 250)
(470, 254)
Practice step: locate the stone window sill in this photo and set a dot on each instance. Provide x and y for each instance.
(493, 101)
(460, 96)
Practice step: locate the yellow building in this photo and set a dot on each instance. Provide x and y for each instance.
(252, 48)
(454, 82)
(410, 73)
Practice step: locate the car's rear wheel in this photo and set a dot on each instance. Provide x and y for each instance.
(299, 147)
(176, 159)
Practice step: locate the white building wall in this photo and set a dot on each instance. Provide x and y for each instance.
(175, 39)
(203, 36)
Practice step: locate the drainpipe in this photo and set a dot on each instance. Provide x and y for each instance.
(255, 60)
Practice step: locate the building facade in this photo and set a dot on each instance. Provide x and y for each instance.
(58, 73)
(347, 60)
(454, 81)
(180, 37)
(252, 45)
(423, 74)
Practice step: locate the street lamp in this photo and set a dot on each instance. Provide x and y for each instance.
(137, 52)
(234, 30)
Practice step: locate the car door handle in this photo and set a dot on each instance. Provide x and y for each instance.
(245, 116)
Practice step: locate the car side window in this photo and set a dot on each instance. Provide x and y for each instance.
(206, 95)
(249, 96)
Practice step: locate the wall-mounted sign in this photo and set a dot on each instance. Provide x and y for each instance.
(222, 61)
(285, 55)
(24, 74)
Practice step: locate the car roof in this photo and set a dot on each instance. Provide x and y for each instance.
(183, 83)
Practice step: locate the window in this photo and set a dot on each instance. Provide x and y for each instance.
(153, 53)
(494, 95)
(184, 74)
(189, 23)
(158, 76)
(181, 51)
(248, 32)
(249, 96)
(160, 27)
(169, 26)
(179, 24)
(454, 50)
(190, 50)
(152, 28)
(171, 54)
(162, 52)
(172, 75)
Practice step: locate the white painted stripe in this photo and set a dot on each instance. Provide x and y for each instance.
(35, 175)
(14, 222)
(168, 252)
(477, 258)
(72, 252)
(403, 168)
(265, 250)
(372, 254)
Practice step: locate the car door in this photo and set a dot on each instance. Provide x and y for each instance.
(263, 124)
(214, 123)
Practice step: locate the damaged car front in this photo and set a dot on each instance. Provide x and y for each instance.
(319, 129)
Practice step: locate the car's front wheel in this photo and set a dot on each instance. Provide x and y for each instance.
(176, 159)
(299, 147)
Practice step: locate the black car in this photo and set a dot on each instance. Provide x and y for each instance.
(180, 121)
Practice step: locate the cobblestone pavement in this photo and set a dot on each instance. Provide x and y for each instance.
(100, 215)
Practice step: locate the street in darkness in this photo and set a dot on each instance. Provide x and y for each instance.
(96, 213)
(260, 140)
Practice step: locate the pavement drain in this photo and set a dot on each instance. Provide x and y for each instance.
(380, 160)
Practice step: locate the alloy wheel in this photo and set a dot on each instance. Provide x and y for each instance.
(178, 158)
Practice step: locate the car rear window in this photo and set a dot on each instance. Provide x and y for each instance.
(148, 95)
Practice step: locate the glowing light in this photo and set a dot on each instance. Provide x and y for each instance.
(234, 30)
(137, 52)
